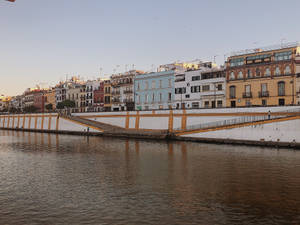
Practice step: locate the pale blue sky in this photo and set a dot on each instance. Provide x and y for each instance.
(43, 40)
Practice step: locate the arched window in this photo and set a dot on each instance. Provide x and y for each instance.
(287, 70)
(232, 92)
(240, 75)
(281, 88)
(268, 72)
(231, 77)
(257, 72)
(249, 73)
(277, 71)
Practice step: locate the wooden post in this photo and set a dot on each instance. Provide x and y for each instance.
(8, 120)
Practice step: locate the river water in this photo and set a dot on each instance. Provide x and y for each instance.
(61, 179)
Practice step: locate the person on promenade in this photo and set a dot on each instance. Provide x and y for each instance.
(269, 115)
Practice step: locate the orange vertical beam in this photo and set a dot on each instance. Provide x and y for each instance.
(57, 122)
(171, 118)
(13, 122)
(35, 122)
(127, 121)
(49, 122)
(18, 123)
(29, 122)
(42, 125)
(8, 120)
(183, 120)
(24, 118)
(3, 121)
(137, 120)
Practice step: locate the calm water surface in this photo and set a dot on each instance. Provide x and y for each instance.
(59, 179)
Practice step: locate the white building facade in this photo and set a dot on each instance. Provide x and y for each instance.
(200, 88)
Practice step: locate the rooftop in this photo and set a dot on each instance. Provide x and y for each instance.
(265, 49)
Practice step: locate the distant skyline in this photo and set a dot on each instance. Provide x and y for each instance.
(44, 41)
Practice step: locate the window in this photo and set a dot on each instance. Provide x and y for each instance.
(205, 88)
(187, 96)
(249, 73)
(279, 56)
(169, 96)
(206, 104)
(236, 62)
(138, 86)
(153, 98)
(248, 103)
(219, 103)
(139, 99)
(146, 98)
(195, 78)
(160, 83)
(231, 77)
(160, 97)
(232, 91)
(247, 88)
(277, 71)
(180, 90)
(264, 102)
(195, 105)
(281, 88)
(264, 90)
(146, 85)
(153, 84)
(267, 72)
(170, 82)
(287, 70)
(257, 72)
(240, 75)
(220, 87)
(195, 89)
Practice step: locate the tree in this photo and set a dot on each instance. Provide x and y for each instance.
(49, 107)
(65, 104)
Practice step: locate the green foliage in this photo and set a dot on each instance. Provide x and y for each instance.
(49, 106)
(65, 104)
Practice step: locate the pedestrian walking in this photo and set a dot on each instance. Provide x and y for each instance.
(269, 115)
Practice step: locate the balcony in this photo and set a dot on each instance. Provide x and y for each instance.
(263, 94)
(247, 95)
(232, 96)
(116, 101)
(128, 92)
(115, 93)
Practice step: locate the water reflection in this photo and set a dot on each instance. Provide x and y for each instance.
(60, 179)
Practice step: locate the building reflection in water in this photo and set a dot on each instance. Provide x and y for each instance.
(178, 178)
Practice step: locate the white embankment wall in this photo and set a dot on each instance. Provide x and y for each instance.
(46, 122)
(283, 131)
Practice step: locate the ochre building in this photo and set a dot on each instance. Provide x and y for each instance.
(263, 77)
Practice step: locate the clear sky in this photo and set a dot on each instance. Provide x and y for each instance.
(43, 41)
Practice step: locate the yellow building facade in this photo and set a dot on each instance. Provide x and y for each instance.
(107, 95)
(263, 77)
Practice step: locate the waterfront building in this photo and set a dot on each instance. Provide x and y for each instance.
(154, 90)
(91, 85)
(123, 90)
(4, 102)
(77, 94)
(39, 100)
(200, 87)
(107, 95)
(99, 97)
(50, 97)
(297, 62)
(262, 76)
